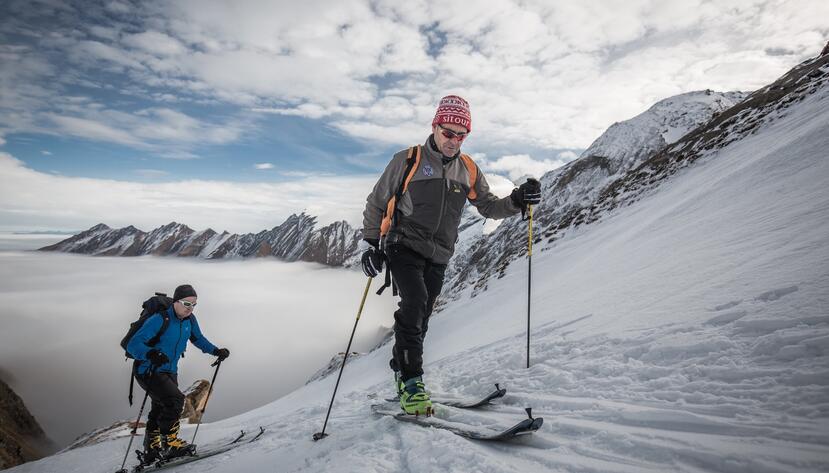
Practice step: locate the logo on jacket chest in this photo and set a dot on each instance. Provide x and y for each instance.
(428, 170)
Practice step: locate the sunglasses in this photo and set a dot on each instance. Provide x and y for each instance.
(188, 304)
(449, 134)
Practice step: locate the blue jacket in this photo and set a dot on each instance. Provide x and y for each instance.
(172, 343)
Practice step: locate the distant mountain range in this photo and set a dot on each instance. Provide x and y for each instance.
(294, 240)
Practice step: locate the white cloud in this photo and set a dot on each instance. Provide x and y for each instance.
(148, 128)
(92, 129)
(264, 166)
(31, 199)
(46, 153)
(152, 173)
(567, 156)
(520, 166)
(118, 7)
(156, 43)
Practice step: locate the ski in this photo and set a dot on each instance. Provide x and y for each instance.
(463, 402)
(525, 427)
(207, 453)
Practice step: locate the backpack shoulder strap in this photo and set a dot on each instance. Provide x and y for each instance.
(411, 167)
(472, 169)
(192, 320)
(412, 160)
(164, 323)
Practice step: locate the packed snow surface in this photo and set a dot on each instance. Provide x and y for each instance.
(687, 332)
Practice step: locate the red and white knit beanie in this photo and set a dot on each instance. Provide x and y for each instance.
(455, 110)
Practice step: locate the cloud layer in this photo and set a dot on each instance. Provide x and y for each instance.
(66, 314)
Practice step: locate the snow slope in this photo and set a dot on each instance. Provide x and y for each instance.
(686, 332)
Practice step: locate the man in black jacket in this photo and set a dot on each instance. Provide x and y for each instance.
(411, 220)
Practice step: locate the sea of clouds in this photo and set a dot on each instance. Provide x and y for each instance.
(63, 315)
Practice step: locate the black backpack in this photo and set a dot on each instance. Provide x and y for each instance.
(158, 303)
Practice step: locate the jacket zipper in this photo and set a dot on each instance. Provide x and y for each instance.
(442, 208)
(180, 323)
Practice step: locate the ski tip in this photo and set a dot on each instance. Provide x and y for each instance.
(261, 432)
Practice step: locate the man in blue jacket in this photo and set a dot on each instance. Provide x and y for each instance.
(157, 371)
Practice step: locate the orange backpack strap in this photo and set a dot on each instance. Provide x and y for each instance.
(390, 216)
(472, 169)
(412, 160)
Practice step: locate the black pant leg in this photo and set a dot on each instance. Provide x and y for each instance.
(167, 400)
(433, 278)
(407, 269)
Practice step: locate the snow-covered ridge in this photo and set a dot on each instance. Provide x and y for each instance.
(624, 144)
(629, 161)
(294, 240)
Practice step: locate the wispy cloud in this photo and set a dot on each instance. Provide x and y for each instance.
(520, 166)
(263, 166)
(152, 173)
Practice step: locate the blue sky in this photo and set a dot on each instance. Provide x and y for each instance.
(137, 112)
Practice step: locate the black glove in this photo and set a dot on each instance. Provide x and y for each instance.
(373, 259)
(222, 353)
(157, 358)
(528, 193)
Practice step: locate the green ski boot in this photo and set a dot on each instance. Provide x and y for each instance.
(414, 399)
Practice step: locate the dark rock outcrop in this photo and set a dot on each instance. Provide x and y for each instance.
(21, 437)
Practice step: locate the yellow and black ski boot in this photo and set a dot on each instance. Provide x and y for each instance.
(175, 445)
(153, 447)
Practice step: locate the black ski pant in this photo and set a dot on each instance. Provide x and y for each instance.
(418, 282)
(167, 400)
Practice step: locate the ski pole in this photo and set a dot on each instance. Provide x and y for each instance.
(217, 364)
(322, 434)
(529, 276)
(135, 426)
